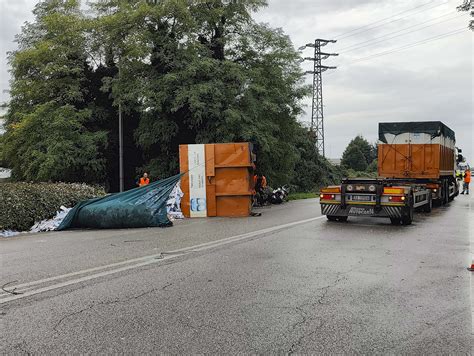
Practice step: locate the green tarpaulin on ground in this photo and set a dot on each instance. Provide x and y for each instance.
(139, 207)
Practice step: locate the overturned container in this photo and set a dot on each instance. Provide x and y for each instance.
(219, 179)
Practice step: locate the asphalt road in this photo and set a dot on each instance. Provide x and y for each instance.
(285, 282)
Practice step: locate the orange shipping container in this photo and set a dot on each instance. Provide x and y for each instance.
(219, 179)
(419, 150)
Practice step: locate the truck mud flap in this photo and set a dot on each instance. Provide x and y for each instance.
(392, 212)
(330, 209)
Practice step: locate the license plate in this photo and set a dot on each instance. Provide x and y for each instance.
(362, 197)
(361, 210)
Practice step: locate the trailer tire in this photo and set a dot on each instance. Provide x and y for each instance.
(428, 206)
(342, 218)
(446, 192)
(395, 221)
(451, 198)
(407, 218)
(331, 217)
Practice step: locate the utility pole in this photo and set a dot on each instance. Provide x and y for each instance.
(120, 147)
(317, 112)
(120, 125)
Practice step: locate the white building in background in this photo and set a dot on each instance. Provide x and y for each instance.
(4, 173)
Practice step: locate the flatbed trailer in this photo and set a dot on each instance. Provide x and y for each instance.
(386, 198)
(416, 169)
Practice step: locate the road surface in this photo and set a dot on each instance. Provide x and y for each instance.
(286, 282)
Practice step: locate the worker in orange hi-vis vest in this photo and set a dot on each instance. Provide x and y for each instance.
(467, 180)
(144, 180)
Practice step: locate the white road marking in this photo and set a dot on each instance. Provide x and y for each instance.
(26, 290)
(470, 215)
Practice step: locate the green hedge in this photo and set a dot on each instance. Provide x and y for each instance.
(23, 204)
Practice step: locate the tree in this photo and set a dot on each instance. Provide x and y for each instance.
(373, 166)
(202, 72)
(354, 158)
(46, 136)
(468, 6)
(359, 153)
(312, 171)
(182, 71)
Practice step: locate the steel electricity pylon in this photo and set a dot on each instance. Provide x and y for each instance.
(317, 112)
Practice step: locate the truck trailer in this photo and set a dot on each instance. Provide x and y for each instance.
(416, 170)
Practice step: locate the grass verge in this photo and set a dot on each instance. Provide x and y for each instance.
(299, 196)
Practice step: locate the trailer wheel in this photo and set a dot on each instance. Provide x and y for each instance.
(395, 221)
(428, 206)
(407, 218)
(446, 192)
(331, 217)
(451, 198)
(342, 218)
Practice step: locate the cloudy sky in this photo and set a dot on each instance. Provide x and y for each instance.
(425, 73)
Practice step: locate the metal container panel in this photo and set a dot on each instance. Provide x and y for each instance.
(228, 179)
(233, 206)
(424, 161)
(419, 150)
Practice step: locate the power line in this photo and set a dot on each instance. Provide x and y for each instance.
(387, 18)
(407, 46)
(383, 38)
(357, 32)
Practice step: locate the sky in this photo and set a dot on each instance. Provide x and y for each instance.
(428, 79)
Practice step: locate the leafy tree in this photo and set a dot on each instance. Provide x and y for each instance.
(359, 153)
(46, 137)
(2, 150)
(373, 166)
(354, 158)
(467, 5)
(181, 71)
(202, 72)
(312, 171)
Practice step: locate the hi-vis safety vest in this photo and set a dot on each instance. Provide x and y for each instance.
(467, 176)
(144, 181)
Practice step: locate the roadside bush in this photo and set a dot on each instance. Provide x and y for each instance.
(372, 168)
(23, 204)
(312, 171)
(358, 174)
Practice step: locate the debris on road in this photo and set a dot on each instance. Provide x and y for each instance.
(43, 225)
(51, 224)
(173, 205)
(8, 233)
(140, 207)
(13, 291)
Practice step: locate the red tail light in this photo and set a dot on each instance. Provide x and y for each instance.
(327, 196)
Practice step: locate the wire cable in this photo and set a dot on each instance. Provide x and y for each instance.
(357, 32)
(383, 38)
(387, 18)
(407, 46)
